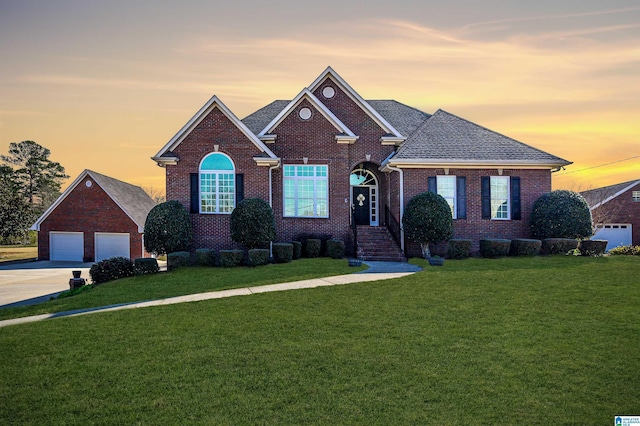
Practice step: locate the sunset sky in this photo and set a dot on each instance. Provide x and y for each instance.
(105, 84)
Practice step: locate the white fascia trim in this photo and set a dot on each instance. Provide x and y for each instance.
(617, 194)
(319, 106)
(166, 161)
(268, 138)
(140, 226)
(392, 140)
(470, 164)
(263, 161)
(212, 103)
(349, 140)
(52, 207)
(364, 105)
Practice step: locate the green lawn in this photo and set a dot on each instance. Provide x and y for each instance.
(544, 340)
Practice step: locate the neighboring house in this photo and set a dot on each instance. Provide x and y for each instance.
(314, 157)
(97, 217)
(616, 213)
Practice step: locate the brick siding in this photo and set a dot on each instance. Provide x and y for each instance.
(621, 209)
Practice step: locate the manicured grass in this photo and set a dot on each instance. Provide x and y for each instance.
(544, 340)
(17, 252)
(186, 281)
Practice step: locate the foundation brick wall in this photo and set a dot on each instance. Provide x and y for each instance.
(89, 210)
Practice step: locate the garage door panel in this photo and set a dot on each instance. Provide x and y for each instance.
(617, 234)
(66, 246)
(111, 245)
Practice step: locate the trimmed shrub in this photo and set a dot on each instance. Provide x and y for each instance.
(335, 249)
(593, 247)
(111, 269)
(282, 252)
(297, 249)
(427, 218)
(558, 245)
(494, 247)
(178, 259)
(205, 257)
(167, 229)
(252, 223)
(145, 265)
(231, 258)
(312, 247)
(459, 249)
(561, 214)
(322, 237)
(258, 257)
(625, 251)
(525, 247)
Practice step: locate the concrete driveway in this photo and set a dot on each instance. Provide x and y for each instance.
(34, 282)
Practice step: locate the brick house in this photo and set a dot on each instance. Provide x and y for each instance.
(315, 157)
(97, 217)
(616, 213)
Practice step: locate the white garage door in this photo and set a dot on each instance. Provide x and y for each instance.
(618, 234)
(111, 245)
(66, 246)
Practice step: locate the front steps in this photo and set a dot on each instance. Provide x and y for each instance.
(376, 243)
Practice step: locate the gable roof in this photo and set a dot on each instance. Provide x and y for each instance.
(364, 105)
(131, 199)
(259, 119)
(404, 118)
(599, 196)
(445, 139)
(164, 156)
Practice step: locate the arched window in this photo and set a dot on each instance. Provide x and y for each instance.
(217, 184)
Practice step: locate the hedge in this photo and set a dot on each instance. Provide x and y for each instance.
(282, 252)
(297, 249)
(111, 269)
(525, 247)
(335, 249)
(558, 245)
(258, 257)
(459, 249)
(145, 265)
(494, 247)
(593, 247)
(230, 258)
(178, 259)
(312, 247)
(205, 257)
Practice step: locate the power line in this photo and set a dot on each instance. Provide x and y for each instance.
(601, 165)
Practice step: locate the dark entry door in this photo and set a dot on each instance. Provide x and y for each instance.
(361, 202)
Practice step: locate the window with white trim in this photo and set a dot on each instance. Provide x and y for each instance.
(636, 196)
(306, 191)
(446, 187)
(217, 184)
(500, 202)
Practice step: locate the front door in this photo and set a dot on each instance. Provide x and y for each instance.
(361, 203)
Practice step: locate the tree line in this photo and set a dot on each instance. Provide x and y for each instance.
(29, 183)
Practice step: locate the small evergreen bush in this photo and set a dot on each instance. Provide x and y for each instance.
(312, 247)
(252, 223)
(459, 249)
(494, 247)
(111, 269)
(297, 249)
(558, 245)
(593, 247)
(625, 251)
(205, 257)
(145, 265)
(258, 257)
(427, 219)
(561, 214)
(178, 259)
(282, 252)
(231, 258)
(168, 229)
(525, 247)
(335, 249)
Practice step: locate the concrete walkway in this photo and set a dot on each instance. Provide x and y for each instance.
(377, 271)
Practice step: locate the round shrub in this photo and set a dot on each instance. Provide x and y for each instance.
(625, 251)
(111, 269)
(335, 249)
(312, 247)
(494, 247)
(168, 229)
(282, 252)
(558, 245)
(205, 257)
(459, 249)
(178, 259)
(258, 257)
(427, 218)
(561, 214)
(231, 258)
(252, 223)
(145, 265)
(524, 247)
(297, 249)
(593, 247)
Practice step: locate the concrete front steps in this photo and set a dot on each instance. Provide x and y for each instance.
(375, 243)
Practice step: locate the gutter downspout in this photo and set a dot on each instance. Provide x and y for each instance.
(396, 169)
(271, 168)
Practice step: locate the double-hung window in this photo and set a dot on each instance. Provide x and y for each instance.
(500, 200)
(635, 196)
(217, 184)
(446, 187)
(306, 191)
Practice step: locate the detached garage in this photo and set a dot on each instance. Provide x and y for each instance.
(96, 218)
